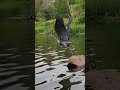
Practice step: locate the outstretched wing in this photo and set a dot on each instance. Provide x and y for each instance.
(61, 30)
(68, 25)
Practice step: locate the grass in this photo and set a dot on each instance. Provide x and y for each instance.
(44, 27)
(77, 28)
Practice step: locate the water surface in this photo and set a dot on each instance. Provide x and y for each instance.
(16, 55)
(51, 72)
(104, 45)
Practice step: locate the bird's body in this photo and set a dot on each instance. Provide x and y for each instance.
(62, 31)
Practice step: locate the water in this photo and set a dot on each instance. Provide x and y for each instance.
(51, 72)
(16, 55)
(17, 71)
(104, 45)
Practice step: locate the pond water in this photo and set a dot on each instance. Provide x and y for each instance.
(16, 57)
(19, 65)
(104, 45)
(51, 72)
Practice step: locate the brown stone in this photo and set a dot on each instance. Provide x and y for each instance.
(78, 60)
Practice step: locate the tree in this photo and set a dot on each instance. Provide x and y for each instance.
(62, 8)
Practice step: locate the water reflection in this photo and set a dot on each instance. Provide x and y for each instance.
(102, 45)
(16, 57)
(12, 70)
(51, 72)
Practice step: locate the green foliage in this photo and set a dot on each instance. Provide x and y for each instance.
(79, 8)
(79, 20)
(40, 29)
(46, 15)
(50, 11)
(62, 8)
(103, 7)
(71, 2)
(16, 7)
(103, 11)
(47, 12)
(77, 28)
(44, 27)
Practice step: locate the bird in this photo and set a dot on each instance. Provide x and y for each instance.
(62, 31)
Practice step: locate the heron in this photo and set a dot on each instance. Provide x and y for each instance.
(62, 31)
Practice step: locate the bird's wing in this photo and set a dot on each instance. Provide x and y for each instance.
(62, 31)
(68, 25)
(63, 34)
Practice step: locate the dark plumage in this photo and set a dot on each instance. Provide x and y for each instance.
(62, 31)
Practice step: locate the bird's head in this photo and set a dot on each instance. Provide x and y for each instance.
(64, 43)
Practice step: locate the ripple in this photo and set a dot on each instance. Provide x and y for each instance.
(41, 83)
(10, 64)
(15, 69)
(12, 79)
(7, 73)
(22, 67)
(46, 75)
(49, 86)
(17, 87)
(51, 72)
(15, 56)
(61, 75)
(6, 55)
(40, 59)
(48, 69)
(57, 57)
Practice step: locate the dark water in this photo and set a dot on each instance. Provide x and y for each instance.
(104, 45)
(51, 72)
(16, 55)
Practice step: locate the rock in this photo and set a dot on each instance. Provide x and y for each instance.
(76, 62)
(103, 79)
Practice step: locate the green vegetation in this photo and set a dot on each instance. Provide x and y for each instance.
(47, 12)
(48, 27)
(16, 8)
(103, 10)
